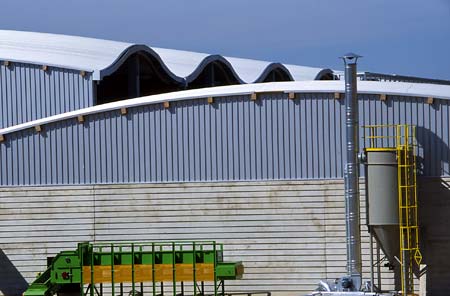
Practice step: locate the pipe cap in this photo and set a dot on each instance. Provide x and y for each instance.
(350, 58)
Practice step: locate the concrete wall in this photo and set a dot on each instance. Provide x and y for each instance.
(289, 234)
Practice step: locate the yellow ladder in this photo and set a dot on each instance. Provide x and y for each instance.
(407, 200)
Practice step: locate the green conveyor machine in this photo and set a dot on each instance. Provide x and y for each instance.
(135, 269)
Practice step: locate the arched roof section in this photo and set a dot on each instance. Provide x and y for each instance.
(213, 73)
(301, 73)
(103, 57)
(211, 59)
(137, 49)
(252, 71)
(277, 74)
(71, 52)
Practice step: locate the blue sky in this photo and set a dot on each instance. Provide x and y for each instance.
(410, 37)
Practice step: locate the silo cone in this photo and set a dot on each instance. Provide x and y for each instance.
(382, 199)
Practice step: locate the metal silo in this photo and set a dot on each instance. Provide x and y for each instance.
(382, 199)
(391, 192)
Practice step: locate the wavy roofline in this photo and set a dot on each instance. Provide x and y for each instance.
(102, 57)
(210, 59)
(129, 51)
(219, 58)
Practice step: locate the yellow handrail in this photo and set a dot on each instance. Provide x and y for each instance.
(401, 137)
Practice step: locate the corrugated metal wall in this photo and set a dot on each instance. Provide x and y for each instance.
(232, 139)
(27, 92)
(289, 234)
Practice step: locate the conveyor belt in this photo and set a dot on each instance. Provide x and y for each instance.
(155, 262)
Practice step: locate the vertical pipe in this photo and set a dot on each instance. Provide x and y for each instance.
(194, 271)
(215, 264)
(174, 271)
(153, 270)
(405, 272)
(141, 256)
(120, 257)
(133, 284)
(378, 267)
(91, 248)
(351, 173)
(81, 256)
(372, 278)
(112, 270)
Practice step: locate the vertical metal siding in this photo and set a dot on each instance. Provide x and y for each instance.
(232, 139)
(289, 234)
(27, 92)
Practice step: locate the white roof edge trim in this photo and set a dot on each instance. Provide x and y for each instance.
(364, 87)
(15, 61)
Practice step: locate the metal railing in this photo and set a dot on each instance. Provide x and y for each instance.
(401, 138)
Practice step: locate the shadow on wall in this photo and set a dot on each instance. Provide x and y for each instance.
(434, 209)
(434, 220)
(435, 153)
(12, 282)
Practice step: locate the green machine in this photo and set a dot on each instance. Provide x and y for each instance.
(135, 269)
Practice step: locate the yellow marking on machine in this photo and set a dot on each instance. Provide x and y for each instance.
(144, 273)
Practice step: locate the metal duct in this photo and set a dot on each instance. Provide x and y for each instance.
(351, 173)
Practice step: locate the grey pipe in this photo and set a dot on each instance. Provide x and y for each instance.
(351, 173)
(372, 278)
(378, 267)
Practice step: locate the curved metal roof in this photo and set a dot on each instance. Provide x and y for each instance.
(103, 57)
(364, 87)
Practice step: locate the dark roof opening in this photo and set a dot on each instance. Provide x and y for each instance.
(327, 76)
(214, 74)
(140, 75)
(277, 75)
(143, 74)
(154, 79)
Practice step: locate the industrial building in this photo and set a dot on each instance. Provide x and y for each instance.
(107, 141)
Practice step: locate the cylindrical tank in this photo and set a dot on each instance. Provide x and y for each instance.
(382, 187)
(382, 199)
